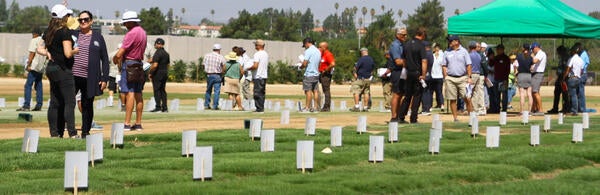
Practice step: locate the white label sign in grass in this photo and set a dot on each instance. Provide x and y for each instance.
(30, 141)
(2, 102)
(375, 148)
(200, 104)
(475, 127)
(304, 155)
(203, 160)
(547, 122)
(174, 107)
(255, 127)
(343, 106)
(188, 142)
(535, 135)
(560, 118)
(336, 136)
(277, 106)
(502, 118)
(76, 171)
(525, 117)
(151, 104)
(434, 141)
(310, 126)
(585, 117)
(393, 132)
(285, 117)
(436, 117)
(437, 124)
(472, 116)
(116, 135)
(95, 147)
(577, 132)
(267, 140)
(361, 126)
(492, 137)
(20, 101)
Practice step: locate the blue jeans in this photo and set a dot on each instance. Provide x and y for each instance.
(213, 80)
(511, 93)
(34, 79)
(581, 93)
(573, 84)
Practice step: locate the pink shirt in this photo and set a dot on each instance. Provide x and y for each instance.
(134, 43)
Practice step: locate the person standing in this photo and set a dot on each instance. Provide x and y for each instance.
(583, 54)
(233, 74)
(131, 54)
(457, 73)
(362, 83)
(90, 69)
(523, 67)
(310, 83)
(537, 76)
(214, 64)
(415, 59)
(398, 73)
(36, 66)
(113, 71)
(501, 64)
(478, 78)
(159, 73)
(259, 75)
(563, 59)
(326, 69)
(386, 84)
(437, 76)
(572, 75)
(427, 97)
(58, 46)
(245, 61)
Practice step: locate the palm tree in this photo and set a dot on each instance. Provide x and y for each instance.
(400, 12)
(182, 13)
(318, 22)
(372, 14)
(212, 13)
(456, 12)
(364, 12)
(382, 8)
(117, 14)
(336, 5)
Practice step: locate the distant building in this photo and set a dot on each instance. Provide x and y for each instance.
(108, 26)
(198, 31)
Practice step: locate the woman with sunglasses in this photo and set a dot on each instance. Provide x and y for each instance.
(90, 70)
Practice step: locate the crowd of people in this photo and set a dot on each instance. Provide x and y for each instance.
(478, 79)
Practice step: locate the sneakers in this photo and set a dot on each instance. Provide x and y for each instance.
(137, 127)
(37, 109)
(156, 110)
(552, 111)
(305, 110)
(425, 113)
(354, 109)
(75, 137)
(126, 127)
(122, 107)
(23, 109)
(96, 127)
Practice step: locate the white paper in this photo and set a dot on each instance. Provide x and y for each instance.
(361, 126)
(336, 136)
(203, 160)
(475, 126)
(255, 128)
(525, 117)
(375, 148)
(585, 120)
(434, 141)
(285, 117)
(174, 106)
(577, 132)
(438, 124)
(492, 137)
(343, 105)
(502, 118)
(436, 117)
(469, 90)
(304, 154)
(310, 126)
(535, 135)
(151, 104)
(393, 132)
(30, 141)
(116, 134)
(21, 101)
(381, 71)
(472, 117)
(547, 122)
(188, 142)
(94, 146)
(560, 118)
(76, 169)
(267, 140)
(2, 102)
(200, 104)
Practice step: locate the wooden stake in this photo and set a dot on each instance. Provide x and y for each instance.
(27, 145)
(303, 167)
(187, 148)
(114, 140)
(75, 180)
(374, 155)
(202, 169)
(92, 151)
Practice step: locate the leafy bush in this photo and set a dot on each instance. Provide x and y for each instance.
(4, 69)
(18, 71)
(178, 72)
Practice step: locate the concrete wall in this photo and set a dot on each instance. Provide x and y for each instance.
(13, 47)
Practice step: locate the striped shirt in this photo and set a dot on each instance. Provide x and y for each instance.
(213, 63)
(80, 67)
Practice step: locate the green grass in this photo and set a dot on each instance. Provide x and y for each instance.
(151, 164)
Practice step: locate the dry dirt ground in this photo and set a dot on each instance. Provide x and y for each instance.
(215, 120)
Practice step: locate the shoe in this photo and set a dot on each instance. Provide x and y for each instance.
(393, 120)
(481, 113)
(304, 110)
(259, 112)
(165, 111)
(23, 109)
(401, 121)
(122, 108)
(354, 109)
(365, 110)
(75, 137)
(217, 108)
(96, 127)
(126, 127)
(156, 110)
(325, 110)
(552, 111)
(510, 107)
(207, 108)
(456, 120)
(425, 113)
(37, 109)
(137, 127)
(314, 110)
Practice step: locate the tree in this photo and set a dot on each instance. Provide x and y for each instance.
(430, 14)
(381, 34)
(457, 12)
(595, 14)
(212, 15)
(3, 13)
(27, 19)
(372, 14)
(364, 12)
(13, 10)
(400, 12)
(307, 21)
(153, 21)
(336, 6)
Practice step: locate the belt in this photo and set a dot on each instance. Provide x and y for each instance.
(133, 60)
(212, 73)
(455, 76)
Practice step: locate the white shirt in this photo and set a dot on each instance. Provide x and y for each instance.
(246, 62)
(263, 65)
(576, 64)
(541, 65)
(38, 63)
(436, 69)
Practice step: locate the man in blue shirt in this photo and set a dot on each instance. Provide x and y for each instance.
(312, 59)
(362, 76)
(477, 77)
(581, 89)
(396, 78)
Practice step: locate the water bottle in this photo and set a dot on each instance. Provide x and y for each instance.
(423, 84)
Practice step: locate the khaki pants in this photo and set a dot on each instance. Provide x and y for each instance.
(387, 94)
(477, 98)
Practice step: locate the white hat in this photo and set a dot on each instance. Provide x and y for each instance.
(130, 16)
(217, 46)
(60, 11)
(484, 45)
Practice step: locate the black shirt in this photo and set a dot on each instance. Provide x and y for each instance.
(525, 63)
(414, 53)
(162, 57)
(56, 48)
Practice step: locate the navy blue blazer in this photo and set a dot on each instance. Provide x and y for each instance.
(98, 64)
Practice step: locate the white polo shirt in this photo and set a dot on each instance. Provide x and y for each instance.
(261, 72)
(541, 65)
(576, 64)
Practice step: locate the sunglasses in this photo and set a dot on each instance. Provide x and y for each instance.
(82, 20)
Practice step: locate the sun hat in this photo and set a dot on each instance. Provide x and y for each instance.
(231, 56)
(130, 16)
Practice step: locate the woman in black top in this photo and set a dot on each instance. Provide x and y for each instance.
(59, 49)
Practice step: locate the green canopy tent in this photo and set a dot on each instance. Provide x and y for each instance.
(525, 18)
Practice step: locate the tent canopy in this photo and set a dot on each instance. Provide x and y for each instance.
(525, 18)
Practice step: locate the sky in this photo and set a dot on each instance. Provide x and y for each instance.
(195, 10)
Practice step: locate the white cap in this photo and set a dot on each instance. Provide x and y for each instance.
(130, 16)
(484, 45)
(217, 46)
(60, 11)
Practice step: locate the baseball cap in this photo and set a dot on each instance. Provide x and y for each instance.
(60, 11)
(535, 44)
(453, 37)
(217, 46)
(484, 45)
(130, 16)
(259, 42)
(364, 49)
(307, 40)
(159, 41)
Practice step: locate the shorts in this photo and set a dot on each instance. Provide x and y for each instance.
(125, 86)
(361, 86)
(536, 82)
(232, 86)
(112, 85)
(397, 83)
(524, 80)
(310, 83)
(456, 87)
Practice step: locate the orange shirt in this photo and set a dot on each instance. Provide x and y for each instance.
(326, 60)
